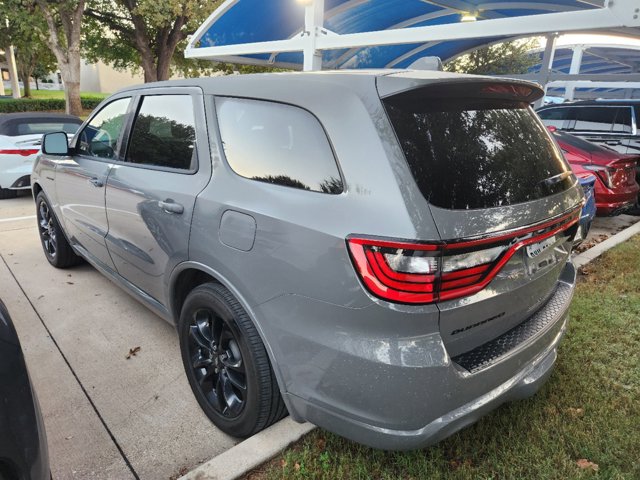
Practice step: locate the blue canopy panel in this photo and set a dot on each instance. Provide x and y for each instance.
(248, 21)
(597, 59)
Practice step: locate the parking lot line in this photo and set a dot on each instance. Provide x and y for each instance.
(15, 219)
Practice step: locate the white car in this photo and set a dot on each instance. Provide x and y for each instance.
(20, 137)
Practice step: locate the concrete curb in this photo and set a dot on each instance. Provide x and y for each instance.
(251, 453)
(263, 446)
(597, 250)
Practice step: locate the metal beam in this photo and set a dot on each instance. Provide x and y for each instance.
(615, 14)
(598, 77)
(620, 12)
(588, 84)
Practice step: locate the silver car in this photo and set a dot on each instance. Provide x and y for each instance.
(384, 254)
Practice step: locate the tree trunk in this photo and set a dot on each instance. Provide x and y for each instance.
(164, 63)
(149, 72)
(67, 53)
(26, 76)
(72, 98)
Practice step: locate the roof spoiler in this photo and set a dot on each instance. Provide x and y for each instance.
(460, 87)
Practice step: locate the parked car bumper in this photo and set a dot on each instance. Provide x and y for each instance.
(13, 174)
(396, 392)
(608, 209)
(612, 202)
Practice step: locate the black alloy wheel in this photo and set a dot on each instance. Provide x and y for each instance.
(54, 243)
(47, 229)
(226, 362)
(217, 363)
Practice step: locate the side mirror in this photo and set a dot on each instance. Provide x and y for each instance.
(55, 143)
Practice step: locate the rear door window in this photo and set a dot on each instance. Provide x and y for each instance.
(555, 117)
(623, 122)
(164, 133)
(595, 119)
(475, 153)
(276, 143)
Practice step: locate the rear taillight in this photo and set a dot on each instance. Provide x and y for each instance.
(605, 174)
(22, 152)
(420, 273)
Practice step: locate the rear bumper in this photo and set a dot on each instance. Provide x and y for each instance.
(609, 209)
(14, 176)
(609, 202)
(525, 384)
(399, 393)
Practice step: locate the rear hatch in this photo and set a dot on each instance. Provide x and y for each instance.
(502, 196)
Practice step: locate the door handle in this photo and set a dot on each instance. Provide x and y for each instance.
(170, 206)
(96, 182)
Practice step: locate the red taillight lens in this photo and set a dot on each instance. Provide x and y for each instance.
(22, 152)
(420, 273)
(397, 271)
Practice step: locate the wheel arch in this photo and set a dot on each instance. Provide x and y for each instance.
(188, 275)
(36, 188)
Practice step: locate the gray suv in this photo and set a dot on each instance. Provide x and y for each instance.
(384, 254)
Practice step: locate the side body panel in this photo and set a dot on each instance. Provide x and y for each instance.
(80, 193)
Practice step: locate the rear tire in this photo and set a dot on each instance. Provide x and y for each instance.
(5, 193)
(227, 364)
(54, 243)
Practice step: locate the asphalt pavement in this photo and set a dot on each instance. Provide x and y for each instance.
(106, 416)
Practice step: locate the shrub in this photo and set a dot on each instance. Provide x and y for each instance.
(89, 102)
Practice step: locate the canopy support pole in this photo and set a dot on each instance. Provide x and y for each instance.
(313, 21)
(547, 63)
(576, 61)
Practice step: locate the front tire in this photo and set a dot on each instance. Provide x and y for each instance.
(54, 244)
(226, 363)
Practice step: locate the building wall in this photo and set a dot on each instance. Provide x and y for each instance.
(99, 77)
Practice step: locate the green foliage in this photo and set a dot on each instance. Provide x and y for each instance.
(89, 102)
(132, 35)
(501, 59)
(27, 32)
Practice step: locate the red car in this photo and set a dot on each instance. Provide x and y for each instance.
(616, 189)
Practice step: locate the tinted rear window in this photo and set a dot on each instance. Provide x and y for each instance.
(40, 128)
(473, 153)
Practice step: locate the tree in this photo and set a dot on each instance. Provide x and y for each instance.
(501, 59)
(64, 21)
(34, 60)
(33, 55)
(144, 33)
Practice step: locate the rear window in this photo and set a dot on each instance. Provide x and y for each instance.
(40, 128)
(475, 153)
